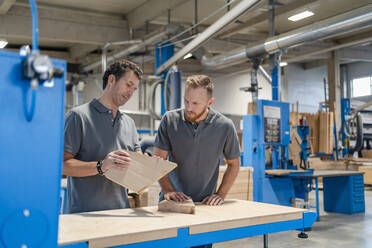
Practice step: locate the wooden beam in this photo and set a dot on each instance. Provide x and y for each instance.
(314, 64)
(334, 88)
(5, 6)
(63, 26)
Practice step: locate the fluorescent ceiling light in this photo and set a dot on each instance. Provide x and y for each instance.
(300, 16)
(3, 43)
(189, 55)
(283, 64)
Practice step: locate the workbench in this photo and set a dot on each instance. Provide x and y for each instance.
(147, 227)
(343, 191)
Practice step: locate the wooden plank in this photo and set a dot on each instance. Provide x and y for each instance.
(140, 200)
(142, 172)
(332, 173)
(367, 153)
(282, 172)
(125, 226)
(186, 207)
(367, 174)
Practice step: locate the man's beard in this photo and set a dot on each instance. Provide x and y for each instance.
(195, 117)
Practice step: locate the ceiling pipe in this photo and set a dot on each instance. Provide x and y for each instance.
(151, 39)
(343, 23)
(229, 17)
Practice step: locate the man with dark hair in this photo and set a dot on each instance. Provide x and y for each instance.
(194, 138)
(96, 135)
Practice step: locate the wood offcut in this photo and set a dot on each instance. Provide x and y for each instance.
(185, 207)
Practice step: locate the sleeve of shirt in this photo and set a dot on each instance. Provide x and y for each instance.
(162, 139)
(73, 133)
(231, 148)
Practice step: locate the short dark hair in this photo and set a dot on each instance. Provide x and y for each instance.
(200, 81)
(119, 68)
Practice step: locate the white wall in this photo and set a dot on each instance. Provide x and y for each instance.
(305, 86)
(229, 99)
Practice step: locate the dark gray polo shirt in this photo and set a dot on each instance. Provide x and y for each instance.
(197, 150)
(90, 134)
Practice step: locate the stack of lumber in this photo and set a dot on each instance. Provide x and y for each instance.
(319, 164)
(367, 153)
(321, 136)
(242, 188)
(326, 138)
(364, 165)
(138, 200)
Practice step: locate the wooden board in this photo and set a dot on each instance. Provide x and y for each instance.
(367, 174)
(242, 187)
(186, 207)
(367, 153)
(125, 226)
(142, 172)
(282, 172)
(332, 173)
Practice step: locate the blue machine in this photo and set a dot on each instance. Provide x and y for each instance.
(345, 110)
(31, 131)
(270, 129)
(303, 131)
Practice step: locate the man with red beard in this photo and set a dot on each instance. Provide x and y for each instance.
(195, 138)
(95, 135)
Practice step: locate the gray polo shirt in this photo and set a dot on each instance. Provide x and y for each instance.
(197, 150)
(90, 134)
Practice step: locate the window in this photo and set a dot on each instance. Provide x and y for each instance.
(362, 86)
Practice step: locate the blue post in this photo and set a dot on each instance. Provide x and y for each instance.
(163, 52)
(345, 109)
(275, 83)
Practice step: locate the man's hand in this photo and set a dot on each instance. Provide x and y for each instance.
(176, 196)
(116, 159)
(213, 200)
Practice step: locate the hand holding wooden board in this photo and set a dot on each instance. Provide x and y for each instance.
(141, 173)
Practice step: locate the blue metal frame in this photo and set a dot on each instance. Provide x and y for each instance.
(32, 149)
(271, 189)
(163, 52)
(345, 110)
(184, 239)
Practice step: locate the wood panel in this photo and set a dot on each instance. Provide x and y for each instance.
(125, 226)
(367, 173)
(142, 172)
(243, 185)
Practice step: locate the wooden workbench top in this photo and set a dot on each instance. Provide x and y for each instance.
(282, 172)
(125, 226)
(332, 173)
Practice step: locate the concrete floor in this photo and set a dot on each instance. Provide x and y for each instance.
(332, 231)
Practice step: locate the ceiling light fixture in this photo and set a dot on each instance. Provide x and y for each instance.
(3, 43)
(189, 55)
(283, 64)
(300, 16)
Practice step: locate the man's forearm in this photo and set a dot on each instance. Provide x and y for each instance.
(77, 168)
(228, 178)
(165, 184)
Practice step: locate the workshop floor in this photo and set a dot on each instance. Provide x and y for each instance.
(332, 231)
